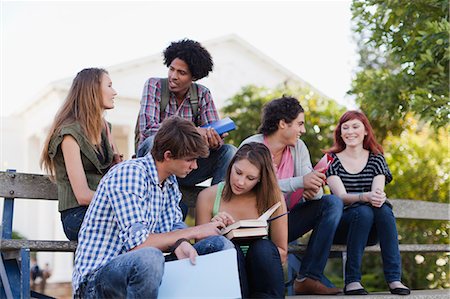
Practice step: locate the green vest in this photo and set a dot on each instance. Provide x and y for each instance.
(93, 168)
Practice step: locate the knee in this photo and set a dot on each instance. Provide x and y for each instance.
(228, 152)
(333, 204)
(145, 147)
(217, 243)
(384, 211)
(149, 261)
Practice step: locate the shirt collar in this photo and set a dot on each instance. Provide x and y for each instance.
(154, 173)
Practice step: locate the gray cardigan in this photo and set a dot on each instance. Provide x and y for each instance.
(302, 165)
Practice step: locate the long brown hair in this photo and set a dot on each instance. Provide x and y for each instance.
(83, 104)
(267, 190)
(369, 142)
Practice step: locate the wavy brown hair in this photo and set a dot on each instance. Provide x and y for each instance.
(267, 190)
(83, 104)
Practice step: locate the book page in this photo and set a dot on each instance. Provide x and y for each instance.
(269, 212)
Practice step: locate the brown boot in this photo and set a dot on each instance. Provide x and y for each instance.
(310, 286)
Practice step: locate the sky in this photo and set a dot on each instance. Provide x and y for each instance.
(42, 42)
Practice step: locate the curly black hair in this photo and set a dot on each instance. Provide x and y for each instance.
(284, 108)
(196, 57)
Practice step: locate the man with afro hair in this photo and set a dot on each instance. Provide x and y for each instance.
(188, 61)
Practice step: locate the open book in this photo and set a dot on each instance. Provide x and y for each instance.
(250, 227)
(222, 126)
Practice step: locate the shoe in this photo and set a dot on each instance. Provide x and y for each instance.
(361, 291)
(400, 291)
(310, 286)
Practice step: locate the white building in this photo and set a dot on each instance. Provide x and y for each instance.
(236, 64)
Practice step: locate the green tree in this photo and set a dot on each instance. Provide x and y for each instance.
(404, 62)
(321, 114)
(420, 163)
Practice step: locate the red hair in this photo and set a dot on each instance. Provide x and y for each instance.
(369, 142)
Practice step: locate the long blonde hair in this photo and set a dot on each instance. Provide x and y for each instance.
(83, 104)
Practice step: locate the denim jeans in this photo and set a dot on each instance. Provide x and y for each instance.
(138, 274)
(214, 166)
(71, 220)
(363, 225)
(260, 271)
(322, 216)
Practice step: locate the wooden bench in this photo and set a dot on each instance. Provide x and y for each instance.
(15, 261)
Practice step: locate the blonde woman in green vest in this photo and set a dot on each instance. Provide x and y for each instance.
(78, 150)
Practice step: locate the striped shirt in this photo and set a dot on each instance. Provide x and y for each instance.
(129, 204)
(150, 116)
(362, 181)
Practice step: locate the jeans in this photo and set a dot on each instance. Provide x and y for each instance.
(71, 220)
(363, 225)
(138, 274)
(215, 165)
(260, 271)
(322, 216)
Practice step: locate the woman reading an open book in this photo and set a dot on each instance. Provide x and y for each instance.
(251, 188)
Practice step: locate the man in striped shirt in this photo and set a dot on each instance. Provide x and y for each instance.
(187, 61)
(134, 217)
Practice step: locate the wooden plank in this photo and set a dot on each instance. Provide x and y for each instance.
(300, 248)
(419, 209)
(27, 185)
(38, 245)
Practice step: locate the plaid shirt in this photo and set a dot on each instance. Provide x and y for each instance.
(129, 204)
(149, 115)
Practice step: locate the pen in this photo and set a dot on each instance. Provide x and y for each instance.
(276, 217)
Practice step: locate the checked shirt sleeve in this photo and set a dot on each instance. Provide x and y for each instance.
(208, 111)
(149, 115)
(127, 191)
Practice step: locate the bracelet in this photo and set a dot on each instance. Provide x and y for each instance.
(360, 197)
(177, 243)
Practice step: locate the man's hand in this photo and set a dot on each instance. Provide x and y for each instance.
(309, 194)
(186, 250)
(224, 217)
(313, 181)
(209, 229)
(211, 137)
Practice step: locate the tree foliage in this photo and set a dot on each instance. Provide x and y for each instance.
(420, 164)
(404, 62)
(321, 114)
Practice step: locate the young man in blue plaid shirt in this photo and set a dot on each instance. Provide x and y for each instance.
(134, 217)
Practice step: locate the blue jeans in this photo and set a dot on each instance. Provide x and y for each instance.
(71, 220)
(322, 216)
(363, 225)
(214, 166)
(260, 271)
(138, 274)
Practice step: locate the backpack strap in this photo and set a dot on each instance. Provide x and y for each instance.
(194, 103)
(164, 97)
